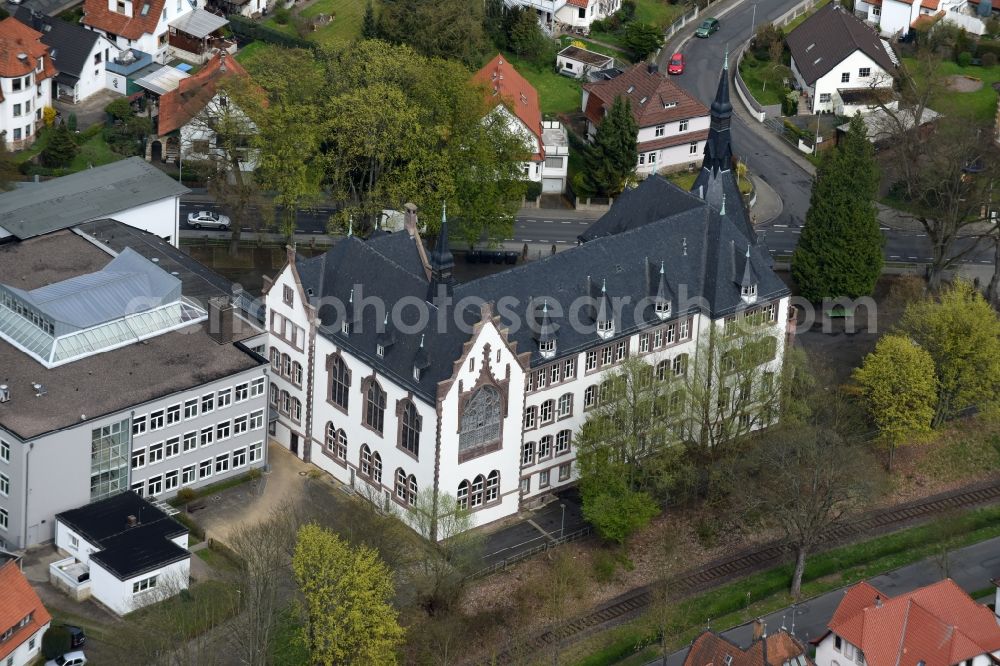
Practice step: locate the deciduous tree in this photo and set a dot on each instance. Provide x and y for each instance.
(642, 39)
(346, 593)
(900, 390)
(610, 161)
(961, 332)
(450, 29)
(840, 250)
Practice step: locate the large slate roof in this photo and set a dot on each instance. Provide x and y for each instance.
(60, 203)
(69, 44)
(823, 40)
(127, 551)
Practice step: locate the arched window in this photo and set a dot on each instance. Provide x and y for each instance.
(409, 431)
(463, 495)
(296, 410)
(377, 467)
(411, 483)
(547, 411)
(406, 487)
(528, 453)
(562, 441)
(681, 365)
(661, 370)
(477, 491)
(275, 359)
(342, 445)
(590, 396)
(401, 484)
(296, 373)
(331, 437)
(480, 420)
(565, 405)
(340, 381)
(286, 365)
(366, 460)
(493, 487)
(374, 406)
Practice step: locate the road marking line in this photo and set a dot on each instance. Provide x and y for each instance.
(562, 241)
(778, 231)
(883, 228)
(913, 257)
(527, 220)
(527, 240)
(795, 231)
(546, 221)
(508, 239)
(565, 222)
(781, 225)
(894, 256)
(920, 235)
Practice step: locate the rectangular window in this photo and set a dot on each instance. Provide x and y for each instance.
(543, 479)
(242, 392)
(155, 453)
(287, 295)
(240, 424)
(4, 451)
(4, 519)
(661, 130)
(17, 109)
(225, 398)
(205, 469)
(173, 414)
(845, 77)
(15, 84)
(864, 72)
(155, 486)
(257, 387)
(621, 350)
(222, 463)
(190, 409)
(824, 98)
(682, 126)
(693, 148)
(139, 488)
(239, 458)
(642, 160)
(541, 378)
(686, 329)
(207, 436)
(156, 420)
(564, 470)
(170, 480)
(207, 403)
(652, 157)
(190, 441)
(257, 420)
(256, 451)
(644, 343)
(569, 369)
(529, 418)
(188, 475)
(607, 354)
(591, 362)
(17, 133)
(172, 447)
(144, 584)
(4, 484)
(222, 431)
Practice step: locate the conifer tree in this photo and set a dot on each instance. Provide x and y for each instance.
(369, 29)
(61, 148)
(611, 160)
(840, 250)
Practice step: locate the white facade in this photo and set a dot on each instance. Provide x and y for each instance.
(554, 14)
(687, 138)
(24, 97)
(543, 407)
(855, 71)
(550, 170)
(161, 218)
(121, 596)
(29, 650)
(568, 66)
(198, 140)
(156, 42)
(835, 651)
(93, 77)
(895, 18)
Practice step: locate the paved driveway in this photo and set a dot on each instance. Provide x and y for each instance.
(559, 517)
(89, 111)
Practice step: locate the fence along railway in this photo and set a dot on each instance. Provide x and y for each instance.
(753, 560)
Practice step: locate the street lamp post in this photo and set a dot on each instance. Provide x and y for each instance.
(753, 21)
(562, 526)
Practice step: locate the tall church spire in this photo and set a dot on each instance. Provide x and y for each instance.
(718, 149)
(442, 261)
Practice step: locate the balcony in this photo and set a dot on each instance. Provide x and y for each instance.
(72, 577)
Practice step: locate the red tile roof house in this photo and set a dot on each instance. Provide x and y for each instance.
(937, 625)
(777, 649)
(23, 618)
(186, 112)
(673, 125)
(26, 70)
(568, 15)
(516, 100)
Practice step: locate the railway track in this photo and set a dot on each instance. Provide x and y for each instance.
(752, 560)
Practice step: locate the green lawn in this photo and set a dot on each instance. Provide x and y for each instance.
(982, 104)
(566, 40)
(610, 38)
(764, 79)
(657, 12)
(794, 23)
(254, 49)
(346, 24)
(94, 152)
(556, 93)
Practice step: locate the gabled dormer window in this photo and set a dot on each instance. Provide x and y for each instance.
(379, 351)
(547, 348)
(662, 309)
(345, 327)
(606, 328)
(749, 293)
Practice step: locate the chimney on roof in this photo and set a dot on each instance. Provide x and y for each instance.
(759, 629)
(410, 218)
(131, 521)
(878, 601)
(220, 319)
(4, 393)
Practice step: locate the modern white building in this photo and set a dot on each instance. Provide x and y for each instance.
(125, 367)
(123, 552)
(840, 64)
(79, 55)
(26, 70)
(395, 380)
(515, 101)
(23, 618)
(568, 15)
(673, 125)
(896, 18)
(577, 63)
(140, 24)
(130, 191)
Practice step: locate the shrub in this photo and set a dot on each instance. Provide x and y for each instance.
(989, 59)
(55, 641)
(604, 566)
(119, 109)
(282, 15)
(964, 59)
(71, 122)
(185, 495)
(534, 190)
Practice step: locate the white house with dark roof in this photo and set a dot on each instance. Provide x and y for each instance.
(840, 64)
(123, 551)
(577, 63)
(479, 396)
(568, 14)
(127, 366)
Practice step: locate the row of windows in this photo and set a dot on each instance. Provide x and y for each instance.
(548, 411)
(190, 474)
(191, 440)
(284, 366)
(662, 371)
(286, 403)
(483, 490)
(765, 314)
(682, 126)
(285, 329)
(546, 447)
(15, 305)
(371, 468)
(545, 478)
(189, 409)
(561, 371)
(144, 584)
(664, 336)
(4, 484)
(23, 622)
(4, 451)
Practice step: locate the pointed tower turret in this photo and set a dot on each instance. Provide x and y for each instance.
(605, 316)
(442, 261)
(718, 147)
(663, 295)
(386, 337)
(748, 283)
(546, 334)
(421, 360)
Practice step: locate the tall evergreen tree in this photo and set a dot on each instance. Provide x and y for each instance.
(61, 148)
(840, 250)
(611, 160)
(369, 28)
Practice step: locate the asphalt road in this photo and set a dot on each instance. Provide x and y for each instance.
(971, 568)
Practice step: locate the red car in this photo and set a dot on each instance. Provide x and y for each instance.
(676, 64)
